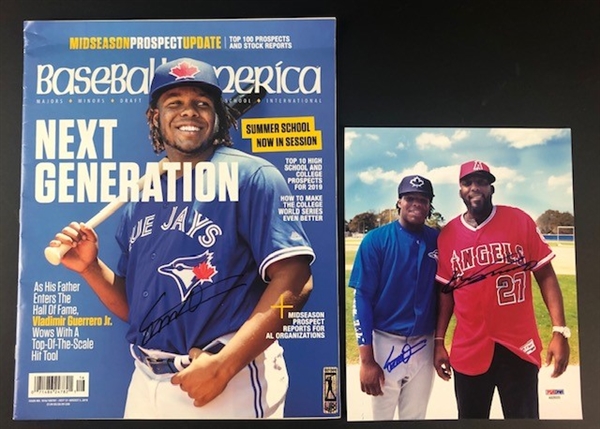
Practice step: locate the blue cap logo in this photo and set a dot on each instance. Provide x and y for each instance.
(183, 71)
(417, 182)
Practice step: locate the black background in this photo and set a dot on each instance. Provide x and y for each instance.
(399, 63)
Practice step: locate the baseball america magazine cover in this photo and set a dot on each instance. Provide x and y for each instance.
(529, 173)
(245, 111)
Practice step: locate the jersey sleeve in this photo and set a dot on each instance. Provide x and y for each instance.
(444, 268)
(122, 237)
(270, 237)
(364, 278)
(366, 270)
(537, 247)
(362, 316)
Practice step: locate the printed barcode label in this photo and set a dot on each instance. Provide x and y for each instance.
(59, 385)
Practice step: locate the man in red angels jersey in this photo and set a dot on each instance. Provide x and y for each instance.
(486, 258)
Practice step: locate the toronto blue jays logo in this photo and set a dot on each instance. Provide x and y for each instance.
(417, 182)
(190, 271)
(184, 70)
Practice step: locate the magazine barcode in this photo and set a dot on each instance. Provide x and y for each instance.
(58, 385)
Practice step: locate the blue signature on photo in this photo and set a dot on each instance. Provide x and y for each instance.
(407, 352)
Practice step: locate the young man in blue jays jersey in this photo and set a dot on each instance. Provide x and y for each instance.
(395, 306)
(197, 279)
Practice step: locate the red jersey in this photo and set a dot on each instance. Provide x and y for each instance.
(489, 270)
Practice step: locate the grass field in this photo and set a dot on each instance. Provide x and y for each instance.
(569, 291)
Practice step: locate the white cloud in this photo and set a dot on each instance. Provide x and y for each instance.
(460, 135)
(390, 154)
(419, 168)
(440, 141)
(444, 175)
(349, 137)
(449, 175)
(373, 175)
(426, 140)
(438, 176)
(562, 181)
(565, 179)
(520, 138)
(401, 146)
(506, 175)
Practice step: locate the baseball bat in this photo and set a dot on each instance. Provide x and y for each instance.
(55, 254)
(241, 102)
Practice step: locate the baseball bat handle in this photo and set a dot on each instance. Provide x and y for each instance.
(55, 254)
(241, 102)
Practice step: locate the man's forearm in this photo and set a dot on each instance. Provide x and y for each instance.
(109, 287)
(291, 284)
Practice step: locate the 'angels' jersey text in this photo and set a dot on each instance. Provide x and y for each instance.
(486, 254)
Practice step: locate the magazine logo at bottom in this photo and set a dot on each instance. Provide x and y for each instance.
(330, 390)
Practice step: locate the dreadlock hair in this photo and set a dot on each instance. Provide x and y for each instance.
(225, 121)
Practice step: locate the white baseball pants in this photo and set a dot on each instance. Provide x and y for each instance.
(258, 391)
(407, 363)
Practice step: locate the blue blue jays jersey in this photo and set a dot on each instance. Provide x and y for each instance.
(195, 270)
(393, 277)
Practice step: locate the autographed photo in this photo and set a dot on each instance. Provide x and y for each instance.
(528, 171)
(222, 253)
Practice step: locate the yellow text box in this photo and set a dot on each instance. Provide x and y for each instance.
(282, 134)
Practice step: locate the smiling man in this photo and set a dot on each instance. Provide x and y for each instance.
(394, 306)
(199, 281)
(486, 257)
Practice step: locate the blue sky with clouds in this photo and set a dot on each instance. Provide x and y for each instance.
(533, 167)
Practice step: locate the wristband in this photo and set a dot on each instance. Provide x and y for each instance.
(563, 330)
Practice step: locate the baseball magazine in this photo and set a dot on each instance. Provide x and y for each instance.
(85, 140)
